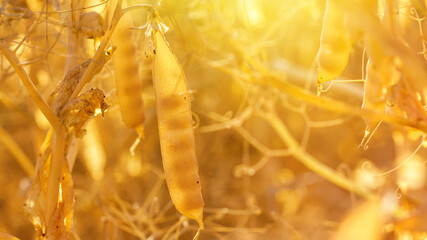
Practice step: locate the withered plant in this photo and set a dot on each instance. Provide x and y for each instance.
(213, 119)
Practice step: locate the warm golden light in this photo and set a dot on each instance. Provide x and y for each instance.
(213, 119)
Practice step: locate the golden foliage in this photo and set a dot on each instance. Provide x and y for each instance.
(248, 117)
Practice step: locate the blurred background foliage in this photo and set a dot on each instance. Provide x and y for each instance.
(253, 186)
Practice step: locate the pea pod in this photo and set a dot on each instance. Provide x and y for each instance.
(335, 44)
(176, 133)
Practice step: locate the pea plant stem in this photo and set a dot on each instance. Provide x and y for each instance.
(88, 73)
(114, 21)
(59, 141)
(55, 171)
(73, 39)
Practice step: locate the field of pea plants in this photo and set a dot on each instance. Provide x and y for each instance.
(213, 119)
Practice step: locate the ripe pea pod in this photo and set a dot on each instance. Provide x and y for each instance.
(176, 133)
(335, 44)
(128, 80)
(339, 35)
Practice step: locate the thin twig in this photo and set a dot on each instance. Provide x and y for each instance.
(73, 39)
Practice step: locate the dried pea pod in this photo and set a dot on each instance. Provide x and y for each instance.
(128, 80)
(339, 35)
(335, 44)
(176, 133)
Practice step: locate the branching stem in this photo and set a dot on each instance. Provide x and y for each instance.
(88, 73)
(34, 93)
(59, 138)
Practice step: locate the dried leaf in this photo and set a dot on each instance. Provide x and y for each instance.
(401, 95)
(60, 223)
(62, 92)
(75, 114)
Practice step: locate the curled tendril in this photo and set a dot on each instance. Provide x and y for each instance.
(229, 114)
(398, 193)
(134, 145)
(321, 89)
(196, 120)
(243, 170)
(344, 169)
(417, 18)
(414, 12)
(367, 165)
(368, 136)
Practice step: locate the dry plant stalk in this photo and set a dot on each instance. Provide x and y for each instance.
(49, 204)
